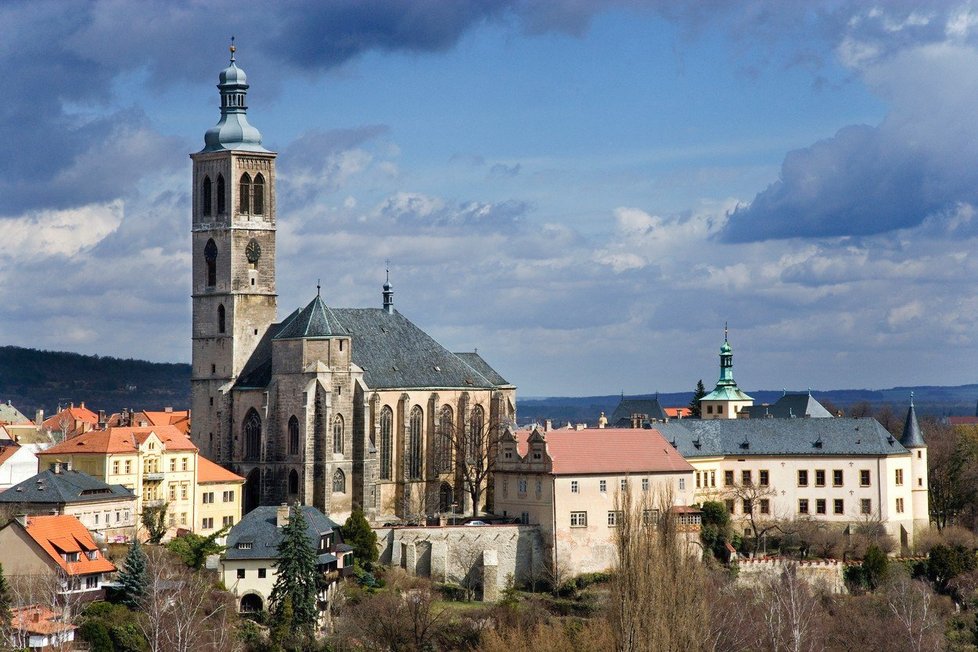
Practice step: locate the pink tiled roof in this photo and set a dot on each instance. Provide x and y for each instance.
(609, 450)
(121, 440)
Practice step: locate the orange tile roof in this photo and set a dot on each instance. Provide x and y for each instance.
(162, 417)
(37, 619)
(609, 450)
(77, 413)
(7, 451)
(208, 471)
(678, 412)
(121, 440)
(66, 534)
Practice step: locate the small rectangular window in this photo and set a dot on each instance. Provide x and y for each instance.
(764, 478)
(645, 484)
(241, 573)
(765, 506)
(839, 506)
(864, 478)
(803, 482)
(748, 506)
(578, 519)
(819, 477)
(729, 504)
(682, 484)
(899, 505)
(624, 484)
(745, 478)
(614, 518)
(728, 478)
(837, 478)
(820, 506)
(575, 487)
(899, 477)
(802, 505)
(261, 573)
(866, 506)
(603, 486)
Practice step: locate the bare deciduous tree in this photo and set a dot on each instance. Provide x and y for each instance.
(758, 505)
(791, 613)
(475, 445)
(915, 608)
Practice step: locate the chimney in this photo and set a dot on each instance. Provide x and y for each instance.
(548, 425)
(36, 615)
(83, 405)
(282, 515)
(101, 419)
(38, 417)
(168, 408)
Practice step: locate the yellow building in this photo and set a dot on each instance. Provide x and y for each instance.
(218, 497)
(159, 464)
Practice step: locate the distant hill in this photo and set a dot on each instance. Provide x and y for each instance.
(928, 399)
(32, 380)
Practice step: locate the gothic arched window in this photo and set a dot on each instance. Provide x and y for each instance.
(220, 319)
(414, 443)
(446, 432)
(252, 436)
(222, 199)
(258, 195)
(386, 428)
(338, 434)
(476, 435)
(293, 436)
(293, 482)
(339, 482)
(244, 193)
(205, 192)
(210, 259)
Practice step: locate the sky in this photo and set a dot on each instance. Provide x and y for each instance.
(584, 191)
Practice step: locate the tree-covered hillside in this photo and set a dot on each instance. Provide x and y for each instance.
(32, 379)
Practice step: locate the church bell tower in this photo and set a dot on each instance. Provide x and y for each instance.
(233, 241)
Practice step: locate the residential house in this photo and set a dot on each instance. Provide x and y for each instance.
(38, 627)
(218, 497)
(106, 510)
(567, 482)
(165, 417)
(158, 464)
(70, 421)
(58, 549)
(17, 463)
(11, 415)
(248, 567)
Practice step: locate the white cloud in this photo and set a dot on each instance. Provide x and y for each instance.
(63, 233)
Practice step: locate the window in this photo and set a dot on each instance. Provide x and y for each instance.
(603, 486)
(838, 506)
(208, 497)
(293, 482)
(728, 478)
(820, 506)
(210, 261)
(709, 409)
(525, 518)
(184, 463)
(521, 486)
(414, 443)
(899, 477)
(803, 481)
(729, 504)
(837, 478)
(173, 519)
(183, 518)
(614, 518)
(575, 487)
(207, 523)
(475, 438)
(650, 516)
(713, 478)
(115, 467)
(803, 506)
(865, 506)
(293, 436)
(96, 518)
(720, 409)
(623, 484)
(645, 484)
(221, 198)
(258, 196)
(241, 573)
(183, 492)
(539, 488)
(244, 193)
(128, 466)
(227, 521)
(899, 505)
(864, 478)
(697, 479)
(339, 482)
(764, 478)
(820, 477)
(173, 464)
(386, 425)
(262, 573)
(205, 191)
(221, 325)
(682, 484)
(745, 478)
(443, 454)
(252, 435)
(227, 497)
(748, 506)
(765, 506)
(338, 435)
(173, 492)
(91, 582)
(578, 519)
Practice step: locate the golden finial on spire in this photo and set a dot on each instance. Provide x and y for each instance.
(232, 49)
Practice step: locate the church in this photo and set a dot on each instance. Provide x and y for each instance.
(329, 407)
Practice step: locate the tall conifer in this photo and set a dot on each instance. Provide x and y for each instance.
(134, 577)
(296, 574)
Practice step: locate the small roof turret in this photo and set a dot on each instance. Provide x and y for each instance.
(912, 436)
(315, 321)
(233, 131)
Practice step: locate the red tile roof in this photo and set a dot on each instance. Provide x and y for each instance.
(121, 440)
(208, 471)
(609, 450)
(7, 451)
(37, 619)
(77, 413)
(678, 412)
(66, 534)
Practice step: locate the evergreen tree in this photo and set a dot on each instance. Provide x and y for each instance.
(694, 404)
(295, 585)
(133, 576)
(357, 533)
(194, 549)
(4, 604)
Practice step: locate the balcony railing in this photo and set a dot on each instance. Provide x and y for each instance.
(152, 476)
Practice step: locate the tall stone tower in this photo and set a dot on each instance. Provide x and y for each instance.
(234, 300)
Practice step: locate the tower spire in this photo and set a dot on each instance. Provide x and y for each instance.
(232, 49)
(233, 131)
(388, 289)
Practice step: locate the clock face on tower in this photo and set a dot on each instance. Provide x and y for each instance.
(253, 252)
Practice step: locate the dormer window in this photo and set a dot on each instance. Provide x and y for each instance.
(244, 545)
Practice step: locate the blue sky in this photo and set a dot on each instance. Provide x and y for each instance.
(584, 191)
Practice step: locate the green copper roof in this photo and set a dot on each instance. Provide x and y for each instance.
(727, 393)
(233, 132)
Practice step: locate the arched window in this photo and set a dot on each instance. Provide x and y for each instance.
(222, 199)
(220, 319)
(293, 436)
(293, 482)
(244, 194)
(338, 434)
(252, 436)
(339, 482)
(476, 434)
(258, 195)
(446, 432)
(205, 191)
(210, 259)
(414, 443)
(386, 426)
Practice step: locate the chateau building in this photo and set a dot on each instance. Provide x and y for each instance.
(329, 407)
